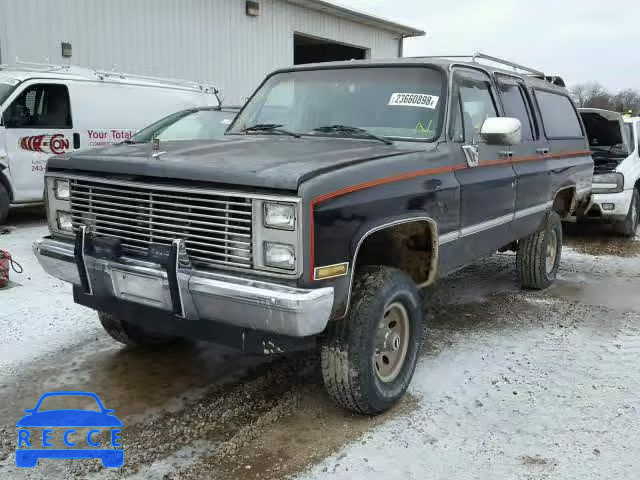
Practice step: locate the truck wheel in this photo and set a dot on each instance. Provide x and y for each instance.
(4, 204)
(538, 255)
(368, 357)
(629, 225)
(127, 333)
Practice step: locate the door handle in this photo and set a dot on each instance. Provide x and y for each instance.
(542, 151)
(76, 141)
(506, 153)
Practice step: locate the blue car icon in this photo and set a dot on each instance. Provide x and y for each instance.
(68, 419)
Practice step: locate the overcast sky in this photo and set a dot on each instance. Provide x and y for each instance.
(580, 40)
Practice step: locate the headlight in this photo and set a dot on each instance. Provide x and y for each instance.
(65, 221)
(279, 215)
(62, 189)
(280, 255)
(608, 183)
(58, 203)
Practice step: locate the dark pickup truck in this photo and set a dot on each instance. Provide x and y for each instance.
(337, 193)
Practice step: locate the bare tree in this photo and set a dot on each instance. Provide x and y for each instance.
(627, 100)
(594, 95)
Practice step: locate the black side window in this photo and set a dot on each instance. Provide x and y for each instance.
(559, 117)
(476, 104)
(516, 105)
(40, 106)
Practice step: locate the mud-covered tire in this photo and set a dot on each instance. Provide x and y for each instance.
(534, 270)
(629, 226)
(129, 334)
(348, 347)
(4, 204)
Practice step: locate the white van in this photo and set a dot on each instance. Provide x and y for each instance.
(615, 146)
(50, 110)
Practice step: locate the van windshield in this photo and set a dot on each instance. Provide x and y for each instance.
(5, 91)
(392, 102)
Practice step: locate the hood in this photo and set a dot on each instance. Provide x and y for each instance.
(604, 128)
(256, 161)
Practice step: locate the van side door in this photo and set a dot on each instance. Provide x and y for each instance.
(533, 178)
(487, 189)
(38, 124)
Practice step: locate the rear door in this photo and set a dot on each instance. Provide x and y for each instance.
(533, 179)
(568, 159)
(38, 124)
(487, 191)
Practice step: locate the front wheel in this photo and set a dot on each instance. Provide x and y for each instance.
(538, 255)
(629, 225)
(128, 333)
(368, 357)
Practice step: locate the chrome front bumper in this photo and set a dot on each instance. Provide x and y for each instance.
(241, 302)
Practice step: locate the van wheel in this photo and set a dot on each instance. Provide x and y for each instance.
(4, 204)
(127, 333)
(629, 225)
(538, 255)
(368, 357)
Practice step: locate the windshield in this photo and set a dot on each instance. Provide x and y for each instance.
(5, 91)
(396, 102)
(188, 125)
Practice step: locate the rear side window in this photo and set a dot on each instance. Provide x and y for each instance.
(516, 104)
(40, 106)
(559, 117)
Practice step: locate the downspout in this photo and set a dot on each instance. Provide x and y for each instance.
(401, 46)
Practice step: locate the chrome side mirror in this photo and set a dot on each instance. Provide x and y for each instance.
(501, 131)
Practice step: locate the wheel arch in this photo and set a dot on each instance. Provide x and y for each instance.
(565, 201)
(421, 228)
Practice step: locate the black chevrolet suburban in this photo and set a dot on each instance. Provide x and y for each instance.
(338, 192)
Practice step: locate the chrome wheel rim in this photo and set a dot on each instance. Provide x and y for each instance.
(391, 342)
(552, 251)
(634, 213)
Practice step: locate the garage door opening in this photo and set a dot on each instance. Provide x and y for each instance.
(312, 50)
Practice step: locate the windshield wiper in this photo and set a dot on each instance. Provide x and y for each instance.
(361, 132)
(270, 127)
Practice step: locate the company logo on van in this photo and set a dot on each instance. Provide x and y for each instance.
(55, 144)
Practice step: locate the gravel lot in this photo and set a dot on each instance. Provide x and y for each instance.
(510, 385)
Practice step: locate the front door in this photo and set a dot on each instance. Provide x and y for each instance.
(487, 187)
(38, 124)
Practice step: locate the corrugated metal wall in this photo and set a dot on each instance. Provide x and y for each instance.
(207, 40)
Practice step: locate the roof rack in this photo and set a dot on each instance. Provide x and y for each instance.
(554, 79)
(102, 74)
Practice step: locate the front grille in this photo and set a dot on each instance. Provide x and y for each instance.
(216, 226)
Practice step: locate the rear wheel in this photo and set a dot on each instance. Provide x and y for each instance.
(127, 333)
(538, 255)
(4, 204)
(368, 358)
(629, 225)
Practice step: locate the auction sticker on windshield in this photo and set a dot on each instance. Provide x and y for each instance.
(414, 100)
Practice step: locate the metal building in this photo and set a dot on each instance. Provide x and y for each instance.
(230, 43)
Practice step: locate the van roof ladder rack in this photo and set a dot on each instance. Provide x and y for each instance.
(102, 74)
